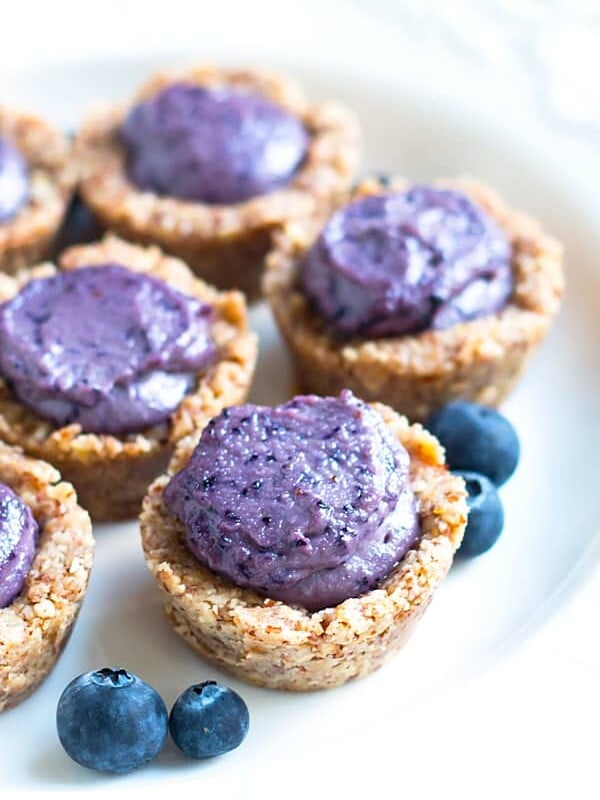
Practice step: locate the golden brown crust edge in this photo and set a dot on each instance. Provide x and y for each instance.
(27, 237)
(111, 473)
(35, 627)
(225, 245)
(283, 647)
(479, 360)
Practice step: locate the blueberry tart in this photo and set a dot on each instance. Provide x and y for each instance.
(106, 364)
(415, 295)
(297, 546)
(207, 162)
(46, 551)
(36, 181)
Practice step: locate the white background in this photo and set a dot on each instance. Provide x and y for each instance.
(528, 726)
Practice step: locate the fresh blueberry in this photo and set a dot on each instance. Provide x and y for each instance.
(476, 438)
(79, 226)
(486, 515)
(208, 720)
(111, 720)
(384, 179)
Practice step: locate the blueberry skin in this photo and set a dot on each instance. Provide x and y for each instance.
(486, 515)
(112, 721)
(80, 226)
(208, 720)
(476, 438)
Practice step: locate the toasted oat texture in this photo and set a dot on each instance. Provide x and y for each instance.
(417, 373)
(27, 237)
(224, 244)
(35, 627)
(111, 473)
(286, 647)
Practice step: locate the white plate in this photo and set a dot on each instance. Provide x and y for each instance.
(486, 606)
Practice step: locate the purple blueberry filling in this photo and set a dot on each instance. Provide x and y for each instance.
(308, 502)
(18, 539)
(14, 181)
(392, 264)
(105, 347)
(212, 145)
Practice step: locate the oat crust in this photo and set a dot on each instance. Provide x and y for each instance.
(35, 627)
(280, 646)
(224, 244)
(417, 373)
(111, 473)
(27, 237)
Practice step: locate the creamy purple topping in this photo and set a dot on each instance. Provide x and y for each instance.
(308, 502)
(105, 347)
(18, 539)
(400, 263)
(14, 181)
(212, 145)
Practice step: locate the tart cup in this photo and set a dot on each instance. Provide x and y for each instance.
(27, 237)
(111, 473)
(224, 244)
(281, 646)
(479, 360)
(35, 627)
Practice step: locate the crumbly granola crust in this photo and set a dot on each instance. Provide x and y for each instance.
(35, 627)
(111, 473)
(479, 360)
(27, 237)
(286, 647)
(226, 244)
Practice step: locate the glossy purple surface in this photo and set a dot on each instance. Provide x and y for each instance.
(212, 145)
(18, 539)
(308, 502)
(400, 263)
(105, 347)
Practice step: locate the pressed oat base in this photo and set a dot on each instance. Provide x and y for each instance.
(35, 627)
(417, 373)
(111, 473)
(286, 647)
(224, 244)
(27, 237)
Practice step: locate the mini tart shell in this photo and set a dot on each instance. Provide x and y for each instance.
(224, 244)
(35, 627)
(28, 236)
(111, 473)
(280, 646)
(417, 373)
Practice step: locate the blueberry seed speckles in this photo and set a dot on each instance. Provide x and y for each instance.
(244, 569)
(306, 492)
